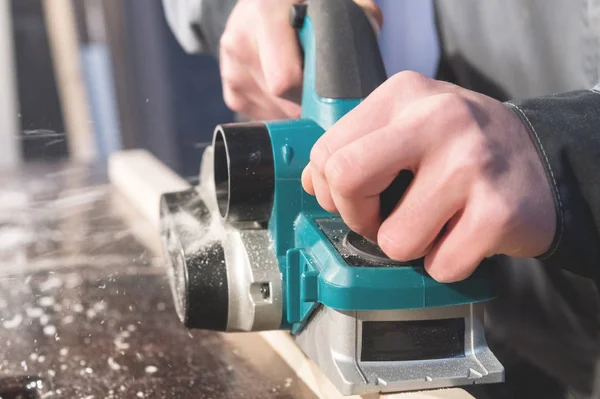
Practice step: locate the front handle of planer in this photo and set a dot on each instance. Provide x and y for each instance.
(342, 66)
(342, 62)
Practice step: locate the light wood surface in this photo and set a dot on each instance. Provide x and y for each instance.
(142, 179)
(10, 149)
(64, 46)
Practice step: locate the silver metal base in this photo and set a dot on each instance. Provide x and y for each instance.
(252, 266)
(332, 339)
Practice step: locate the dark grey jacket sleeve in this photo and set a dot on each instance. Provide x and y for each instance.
(198, 24)
(566, 131)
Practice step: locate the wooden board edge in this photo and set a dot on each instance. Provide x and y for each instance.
(142, 179)
(10, 145)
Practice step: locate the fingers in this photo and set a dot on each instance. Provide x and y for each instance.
(376, 111)
(279, 53)
(260, 61)
(322, 191)
(356, 174)
(315, 184)
(290, 109)
(477, 180)
(464, 245)
(359, 171)
(243, 93)
(356, 180)
(412, 228)
(307, 180)
(250, 103)
(361, 214)
(357, 168)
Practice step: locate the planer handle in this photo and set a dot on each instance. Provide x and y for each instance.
(342, 66)
(348, 63)
(342, 62)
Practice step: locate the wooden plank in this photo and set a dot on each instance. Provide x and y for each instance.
(142, 179)
(10, 150)
(64, 46)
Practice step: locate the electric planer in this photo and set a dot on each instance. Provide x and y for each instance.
(249, 250)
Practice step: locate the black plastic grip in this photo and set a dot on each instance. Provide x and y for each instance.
(348, 60)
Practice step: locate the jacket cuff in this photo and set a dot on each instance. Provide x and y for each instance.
(565, 129)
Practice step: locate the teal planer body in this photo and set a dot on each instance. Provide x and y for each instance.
(250, 250)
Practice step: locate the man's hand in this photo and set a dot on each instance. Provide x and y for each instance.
(479, 187)
(260, 60)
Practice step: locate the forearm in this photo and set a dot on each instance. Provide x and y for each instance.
(566, 131)
(198, 24)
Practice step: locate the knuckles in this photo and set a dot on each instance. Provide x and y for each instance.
(455, 109)
(234, 101)
(410, 81)
(319, 155)
(231, 80)
(466, 163)
(342, 175)
(229, 44)
(284, 82)
(467, 149)
(450, 270)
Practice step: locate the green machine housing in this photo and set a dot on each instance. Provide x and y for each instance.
(282, 262)
(314, 270)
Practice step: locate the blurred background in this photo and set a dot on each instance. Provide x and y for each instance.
(81, 79)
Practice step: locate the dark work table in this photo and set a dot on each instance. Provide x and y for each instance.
(85, 306)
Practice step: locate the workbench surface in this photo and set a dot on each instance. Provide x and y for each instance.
(85, 307)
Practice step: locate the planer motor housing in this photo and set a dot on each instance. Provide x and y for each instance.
(249, 250)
